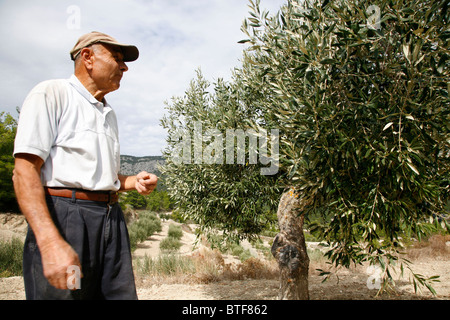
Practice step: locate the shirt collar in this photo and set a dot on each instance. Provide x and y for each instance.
(76, 83)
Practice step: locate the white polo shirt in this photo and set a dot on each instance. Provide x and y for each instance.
(76, 136)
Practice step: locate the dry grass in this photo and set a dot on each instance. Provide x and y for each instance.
(436, 247)
(252, 268)
(205, 265)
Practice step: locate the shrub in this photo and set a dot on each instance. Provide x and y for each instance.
(239, 251)
(170, 244)
(175, 231)
(147, 224)
(166, 264)
(11, 258)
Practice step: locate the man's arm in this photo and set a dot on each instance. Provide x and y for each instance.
(57, 255)
(143, 182)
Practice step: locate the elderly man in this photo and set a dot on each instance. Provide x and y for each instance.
(66, 179)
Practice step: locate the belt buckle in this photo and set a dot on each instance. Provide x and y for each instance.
(110, 197)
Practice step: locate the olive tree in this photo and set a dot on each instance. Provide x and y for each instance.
(359, 93)
(359, 90)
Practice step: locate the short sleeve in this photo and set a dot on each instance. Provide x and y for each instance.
(38, 123)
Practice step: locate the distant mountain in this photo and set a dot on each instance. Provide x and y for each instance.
(130, 165)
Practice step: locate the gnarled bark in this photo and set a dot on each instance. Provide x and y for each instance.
(289, 248)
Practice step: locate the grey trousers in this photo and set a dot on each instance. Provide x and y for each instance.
(99, 235)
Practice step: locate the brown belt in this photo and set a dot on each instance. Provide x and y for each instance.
(100, 196)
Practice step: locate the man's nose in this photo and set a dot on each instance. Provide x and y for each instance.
(123, 66)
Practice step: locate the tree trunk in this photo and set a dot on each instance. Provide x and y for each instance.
(289, 248)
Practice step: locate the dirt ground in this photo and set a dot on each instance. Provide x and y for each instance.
(345, 284)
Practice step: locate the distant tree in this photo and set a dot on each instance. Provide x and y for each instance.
(157, 201)
(8, 127)
(166, 203)
(134, 199)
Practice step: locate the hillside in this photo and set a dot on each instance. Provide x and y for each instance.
(130, 165)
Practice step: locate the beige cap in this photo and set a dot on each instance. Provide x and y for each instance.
(130, 52)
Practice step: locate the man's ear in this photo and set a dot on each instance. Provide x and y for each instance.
(87, 56)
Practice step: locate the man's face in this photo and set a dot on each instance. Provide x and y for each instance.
(108, 67)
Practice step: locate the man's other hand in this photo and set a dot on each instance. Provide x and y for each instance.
(145, 182)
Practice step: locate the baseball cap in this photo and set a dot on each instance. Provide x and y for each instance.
(130, 52)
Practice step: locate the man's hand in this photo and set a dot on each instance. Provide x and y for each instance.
(145, 182)
(57, 257)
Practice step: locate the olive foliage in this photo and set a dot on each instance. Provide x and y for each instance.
(206, 187)
(360, 92)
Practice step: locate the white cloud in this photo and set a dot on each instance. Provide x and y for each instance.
(174, 38)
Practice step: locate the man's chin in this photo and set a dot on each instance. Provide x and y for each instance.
(115, 86)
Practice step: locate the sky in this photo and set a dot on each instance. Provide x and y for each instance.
(175, 38)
